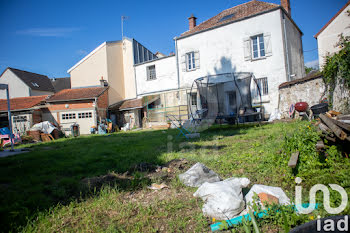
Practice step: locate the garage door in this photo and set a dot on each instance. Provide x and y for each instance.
(85, 119)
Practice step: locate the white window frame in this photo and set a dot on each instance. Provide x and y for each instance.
(259, 49)
(190, 61)
(82, 115)
(151, 75)
(68, 116)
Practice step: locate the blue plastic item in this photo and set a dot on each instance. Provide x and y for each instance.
(4, 131)
(238, 220)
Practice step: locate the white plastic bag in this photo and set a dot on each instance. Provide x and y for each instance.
(224, 199)
(276, 115)
(274, 191)
(197, 175)
(45, 127)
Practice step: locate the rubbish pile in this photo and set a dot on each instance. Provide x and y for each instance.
(44, 131)
(335, 128)
(224, 200)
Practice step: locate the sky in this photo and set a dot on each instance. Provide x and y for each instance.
(50, 36)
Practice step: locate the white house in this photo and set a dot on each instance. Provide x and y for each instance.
(256, 37)
(23, 83)
(328, 36)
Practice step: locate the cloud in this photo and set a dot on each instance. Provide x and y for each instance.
(48, 32)
(312, 64)
(82, 52)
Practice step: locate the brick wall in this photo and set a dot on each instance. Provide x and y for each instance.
(102, 105)
(71, 105)
(37, 116)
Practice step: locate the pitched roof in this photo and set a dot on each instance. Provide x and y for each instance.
(331, 20)
(309, 77)
(60, 83)
(22, 102)
(132, 104)
(233, 14)
(77, 94)
(34, 81)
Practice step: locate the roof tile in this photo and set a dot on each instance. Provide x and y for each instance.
(238, 12)
(77, 94)
(22, 102)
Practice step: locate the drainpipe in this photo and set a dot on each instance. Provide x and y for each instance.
(177, 64)
(95, 102)
(287, 53)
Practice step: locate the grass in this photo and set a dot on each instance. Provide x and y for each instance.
(42, 190)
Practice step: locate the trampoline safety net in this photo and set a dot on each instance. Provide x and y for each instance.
(225, 96)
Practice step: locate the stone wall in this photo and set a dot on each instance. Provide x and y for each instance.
(341, 98)
(306, 90)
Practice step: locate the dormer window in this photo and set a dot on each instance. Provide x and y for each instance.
(35, 84)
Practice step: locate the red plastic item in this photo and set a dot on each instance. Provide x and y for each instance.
(301, 106)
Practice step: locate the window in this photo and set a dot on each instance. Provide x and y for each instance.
(68, 116)
(231, 98)
(263, 86)
(19, 118)
(226, 17)
(84, 115)
(194, 99)
(151, 72)
(190, 60)
(258, 46)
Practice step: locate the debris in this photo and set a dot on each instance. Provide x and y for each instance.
(276, 115)
(224, 199)
(197, 175)
(268, 199)
(274, 191)
(320, 146)
(333, 127)
(155, 186)
(293, 160)
(238, 220)
(45, 127)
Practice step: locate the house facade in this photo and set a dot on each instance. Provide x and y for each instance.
(25, 111)
(256, 37)
(82, 106)
(328, 37)
(23, 83)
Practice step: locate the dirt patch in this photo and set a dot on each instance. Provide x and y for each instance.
(109, 179)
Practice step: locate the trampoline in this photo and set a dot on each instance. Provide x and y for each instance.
(227, 97)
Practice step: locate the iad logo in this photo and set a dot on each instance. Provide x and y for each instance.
(326, 203)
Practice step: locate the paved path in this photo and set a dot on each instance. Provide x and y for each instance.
(6, 153)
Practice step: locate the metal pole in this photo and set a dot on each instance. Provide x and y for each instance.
(9, 116)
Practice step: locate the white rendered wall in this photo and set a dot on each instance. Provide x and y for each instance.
(327, 39)
(222, 50)
(16, 86)
(166, 77)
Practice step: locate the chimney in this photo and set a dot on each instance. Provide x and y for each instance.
(192, 22)
(103, 82)
(286, 5)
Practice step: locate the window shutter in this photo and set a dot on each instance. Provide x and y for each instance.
(247, 49)
(148, 73)
(268, 46)
(196, 59)
(183, 62)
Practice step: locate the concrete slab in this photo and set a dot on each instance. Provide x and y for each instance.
(6, 153)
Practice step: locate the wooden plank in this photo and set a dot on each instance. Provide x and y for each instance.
(320, 145)
(293, 160)
(342, 125)
(336, 130)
